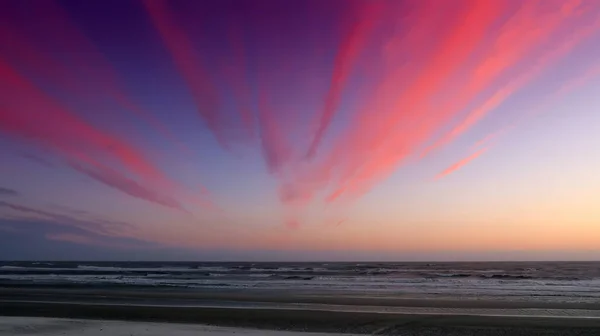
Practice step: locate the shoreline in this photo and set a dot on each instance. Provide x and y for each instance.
(425, 311)
(308, 311)
(345, 322)
(180, 297)
(41, 326)
(10, 326)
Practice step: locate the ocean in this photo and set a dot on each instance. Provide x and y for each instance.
(540, 281)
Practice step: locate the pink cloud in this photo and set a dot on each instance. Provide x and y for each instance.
(276, 148)
(458, 165)
(30, 114)
(190, 66)
(481, 45)
(234, 73)
(518, 48)
(566, 88)
(340, 222)
(85, 62)
(391, 126)
(364, 18)
(435, 70)
(293, 224)
(120, 182)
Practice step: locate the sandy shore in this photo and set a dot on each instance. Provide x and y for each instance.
(11, 326)
(317, 321)
(300, 313)
(247, 297)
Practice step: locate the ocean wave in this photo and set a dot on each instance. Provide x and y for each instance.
(261, 275)
(500, 280)
(506, 276)
(298, 277)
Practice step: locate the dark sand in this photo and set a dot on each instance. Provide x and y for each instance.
(184, 297)
(101, 305)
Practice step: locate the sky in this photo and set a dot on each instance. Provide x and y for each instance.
(300, 130)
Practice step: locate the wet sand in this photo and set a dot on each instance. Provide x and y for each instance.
(396, 316)
(73, 327)
(248, 296)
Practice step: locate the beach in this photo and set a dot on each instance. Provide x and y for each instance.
(98, 320)
(405, 299)
(75, 327)
(277, 313)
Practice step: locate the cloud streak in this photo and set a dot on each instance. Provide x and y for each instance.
(8, 192)
(112, 178)
(477, 56)
(490, 140)
(98, 226)
(276, 149)
(364, 17)
(486, 52)
(190, 66)
(30, 114)
(85, 62)
(458, 165)
(393, 123)
(37, 160)
(99, 241)
(523, 44)
(404, 79)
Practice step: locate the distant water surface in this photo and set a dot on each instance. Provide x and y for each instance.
(544, 281)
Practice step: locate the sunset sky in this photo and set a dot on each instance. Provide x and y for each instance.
(300, 129)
